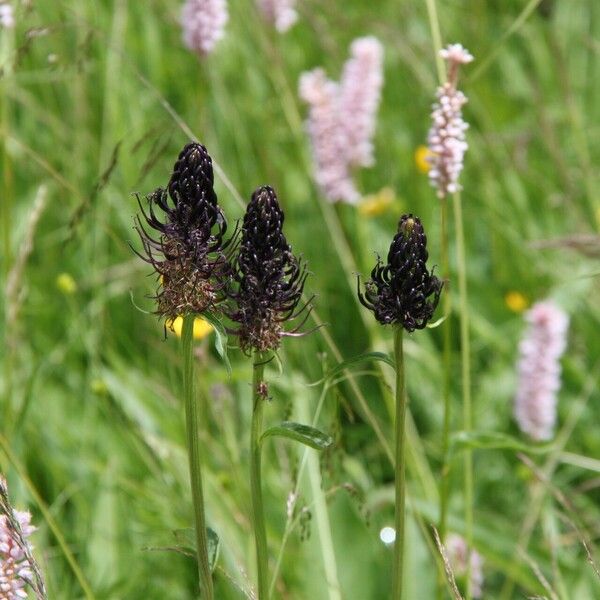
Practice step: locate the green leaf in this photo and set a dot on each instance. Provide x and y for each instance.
(436, 323)
(213, 547)
(187, 544)
(341, 367)
(220, 338)
(309, 436)
(493, 440)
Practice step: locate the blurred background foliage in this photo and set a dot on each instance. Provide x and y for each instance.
(97, 98)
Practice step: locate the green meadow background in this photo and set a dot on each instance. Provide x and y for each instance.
(97, 99)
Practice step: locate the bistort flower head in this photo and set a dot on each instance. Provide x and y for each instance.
(188, 250)
(360, 91)
(270, 278)
(281, 13)
(203, 23)
(18, 568)
(446, 139)
(402, 291)
(331, 167)
(341, 118)
(539, 370)
(460, 557)
(7, 19)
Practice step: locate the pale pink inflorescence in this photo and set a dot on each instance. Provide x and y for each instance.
(458, 554)
(15, 570)
(7, 19)
(203, 23)
(540, 351)
(281, 13)
(341, 120)
(328, 140)
(446, 139)
(361, 83)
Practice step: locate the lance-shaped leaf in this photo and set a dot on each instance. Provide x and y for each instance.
(309, 436)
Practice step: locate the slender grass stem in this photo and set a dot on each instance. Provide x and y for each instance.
(192, 421)
(400, 466)
(258, 513)
(465, 350)
(446, 390)
(447, 339)
(6, 211)
(436, 36)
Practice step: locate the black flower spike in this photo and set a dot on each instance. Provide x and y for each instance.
(270, 278)
(188, 250)
(403, 292)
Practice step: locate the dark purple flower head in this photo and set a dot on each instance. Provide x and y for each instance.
(403, 292)
(270, 278)
(187, 250)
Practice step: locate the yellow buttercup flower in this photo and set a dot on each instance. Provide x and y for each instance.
(516, 301)
(66, 284)
(98, 386)
(376, 204)
(422, 153)
(201, 327)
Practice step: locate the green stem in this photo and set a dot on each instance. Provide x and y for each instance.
(400, 465)
(258, 513)
(192, 421)
(446, 391)
(447, 376)
(465, 351)
(6, 212)
(436, 36)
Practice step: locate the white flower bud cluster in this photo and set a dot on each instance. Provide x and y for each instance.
(281, 13)
(341, 120)
(540, 351)
(446, 140)
(203, 23)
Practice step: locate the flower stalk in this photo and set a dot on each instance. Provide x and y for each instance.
(192, 422)
(402, 292)
(268, 284)
(258, 513)
(182, 233)
(465, 352)
(446, 390)
(400, 492)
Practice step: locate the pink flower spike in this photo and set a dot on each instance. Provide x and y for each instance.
(203, 23)
(447, 140)
(341, 120)
(459, 557)
(360, 94)
(540, 351)
(328, 138)
(280, 13)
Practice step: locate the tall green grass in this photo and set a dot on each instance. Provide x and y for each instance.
(97, 99)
